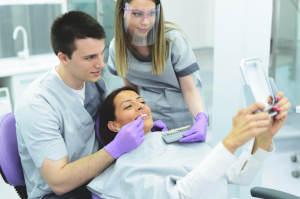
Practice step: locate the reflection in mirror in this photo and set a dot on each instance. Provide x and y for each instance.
(257, 80)
(270, 100)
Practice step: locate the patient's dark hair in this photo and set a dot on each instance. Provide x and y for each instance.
(73, 25)
(107, 113)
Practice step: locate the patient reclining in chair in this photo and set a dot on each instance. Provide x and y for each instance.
(159, 170)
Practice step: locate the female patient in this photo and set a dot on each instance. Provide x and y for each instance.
(180, 170)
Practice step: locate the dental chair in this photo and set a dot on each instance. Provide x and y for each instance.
(12, 173)
(10, 163)
(260, 192)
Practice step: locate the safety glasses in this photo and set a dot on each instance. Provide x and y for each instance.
(141, 32)
(141, 14)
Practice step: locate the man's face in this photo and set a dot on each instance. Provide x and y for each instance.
(87, 60)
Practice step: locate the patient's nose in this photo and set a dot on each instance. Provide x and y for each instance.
(140, 106)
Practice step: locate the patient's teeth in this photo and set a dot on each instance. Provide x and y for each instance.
(143, 115)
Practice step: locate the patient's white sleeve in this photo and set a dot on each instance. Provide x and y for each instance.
(235, 174)
(218, 162)
(199, 181)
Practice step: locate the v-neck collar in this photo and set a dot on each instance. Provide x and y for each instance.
(141, 59)
(58, 86)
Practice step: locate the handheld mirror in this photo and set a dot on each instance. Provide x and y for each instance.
(258, 87)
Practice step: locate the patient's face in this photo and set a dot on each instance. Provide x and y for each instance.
(129, 106)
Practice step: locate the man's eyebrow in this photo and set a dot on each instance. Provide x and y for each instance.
(130, 100)
(89, 55)
(94, 54)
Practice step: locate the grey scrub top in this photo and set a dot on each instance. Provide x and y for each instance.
(162, 93)
(151, 171)
(52, 123)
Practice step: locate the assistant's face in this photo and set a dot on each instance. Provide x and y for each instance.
(141, 18)
(128, 107)
(87, 60)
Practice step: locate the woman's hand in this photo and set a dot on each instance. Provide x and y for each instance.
(282, 107)
(198, 131)
(264, 139)
(247, 125)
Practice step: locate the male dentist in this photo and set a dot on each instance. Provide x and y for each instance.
(56, 115)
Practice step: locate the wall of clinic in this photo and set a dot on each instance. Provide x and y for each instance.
(241, 31)
(196, 18)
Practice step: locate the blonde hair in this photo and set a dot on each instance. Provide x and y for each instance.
(159, 50)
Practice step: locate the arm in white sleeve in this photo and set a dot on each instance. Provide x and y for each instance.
(202, 178)
(235, 174)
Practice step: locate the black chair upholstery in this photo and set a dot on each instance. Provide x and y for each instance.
(266, 193)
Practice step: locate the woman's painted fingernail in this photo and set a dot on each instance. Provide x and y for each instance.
(277, 117)
(279, 110)
(275, 108)
(277, 98)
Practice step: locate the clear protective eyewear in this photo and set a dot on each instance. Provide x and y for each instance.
(141, 15)
(141, 23)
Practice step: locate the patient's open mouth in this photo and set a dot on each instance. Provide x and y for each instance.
(143, 115)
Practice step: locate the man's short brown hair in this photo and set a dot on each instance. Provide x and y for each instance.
(73, 25)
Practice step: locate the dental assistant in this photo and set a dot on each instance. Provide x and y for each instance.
(55, 116)
(155, 58)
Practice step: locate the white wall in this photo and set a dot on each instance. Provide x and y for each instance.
(242, 30)
(195, 17)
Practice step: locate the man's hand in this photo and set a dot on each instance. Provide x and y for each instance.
(128, 138)
(198, 131)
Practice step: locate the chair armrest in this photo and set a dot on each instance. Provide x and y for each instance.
(260, 192)
(94, 196)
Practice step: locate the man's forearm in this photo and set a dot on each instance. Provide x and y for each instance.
(81, 171)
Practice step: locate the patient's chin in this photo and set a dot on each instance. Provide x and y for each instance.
(147, 130)
(147, 127)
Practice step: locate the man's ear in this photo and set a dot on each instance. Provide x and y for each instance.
(113, 126)
(63, 58)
